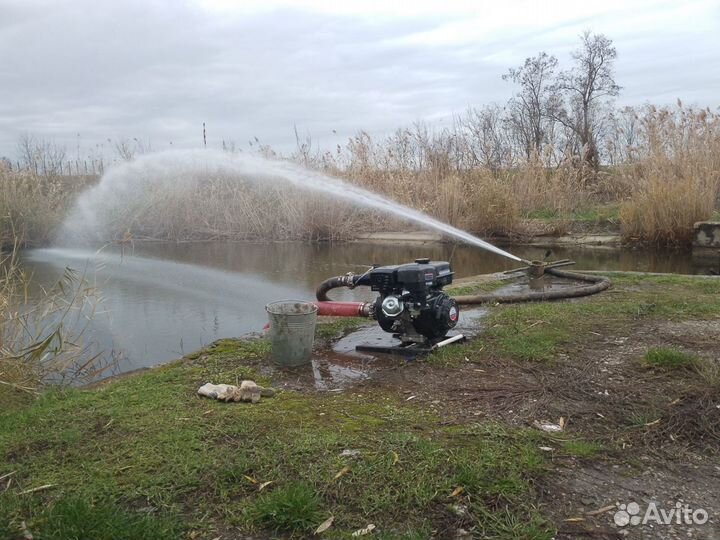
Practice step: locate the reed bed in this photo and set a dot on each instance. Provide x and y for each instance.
(32, 206)
(675, 179)
(42, 331)
(664, 177)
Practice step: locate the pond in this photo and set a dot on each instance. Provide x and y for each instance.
(164, 300)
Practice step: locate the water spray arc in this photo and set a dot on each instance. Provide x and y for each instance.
(127, 178)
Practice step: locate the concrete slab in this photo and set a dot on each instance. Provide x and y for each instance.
(706, 234)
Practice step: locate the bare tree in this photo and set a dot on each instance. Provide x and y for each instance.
(623, 136)
(588, 86)
(127, 149)
(487, 139)
(40, 156)
(531, 110)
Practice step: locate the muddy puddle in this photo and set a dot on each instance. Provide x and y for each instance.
(545, 283)
(342, 366)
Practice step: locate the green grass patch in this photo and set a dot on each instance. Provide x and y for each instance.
(477, 287)
(166, 463)
(538, 331)
(75, 518)
(338, 327)
(643, 417)
(531, 333)
(293, 508)
(543, 213)
(669, 358)
(581, 449)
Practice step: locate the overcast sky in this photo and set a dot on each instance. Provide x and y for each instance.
(155, 70)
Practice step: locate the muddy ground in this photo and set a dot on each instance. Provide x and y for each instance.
(650, 437)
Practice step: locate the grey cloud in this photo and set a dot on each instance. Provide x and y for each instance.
(157, 70)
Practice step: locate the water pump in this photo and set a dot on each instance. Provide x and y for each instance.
(411, 302)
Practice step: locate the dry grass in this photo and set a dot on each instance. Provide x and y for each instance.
(676, 178)
(42, 334)
(34, 205)
(665, 178)
(225, 207)
(435, 174)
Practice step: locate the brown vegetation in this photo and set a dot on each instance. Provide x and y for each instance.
(675, 179)
(42, 338)
(665, 175)
(32, 206)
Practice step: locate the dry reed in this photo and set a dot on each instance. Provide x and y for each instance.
(664, 175)
(34, 205)
(675, 180)
(42, 331)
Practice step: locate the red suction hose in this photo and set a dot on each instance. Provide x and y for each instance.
(343, 309)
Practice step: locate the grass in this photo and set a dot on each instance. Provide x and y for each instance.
(166, 463)
(339, 327)
(536, 332)
(477, 287)
(669, 358)
(592, 214)
(44, 339)
(74, 518)
(581, 449)
(146, 456)
(32, 206)
(294, 507)
(643, 417)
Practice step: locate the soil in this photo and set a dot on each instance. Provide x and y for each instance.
(654, 448)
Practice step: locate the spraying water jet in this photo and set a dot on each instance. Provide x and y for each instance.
(127, 184)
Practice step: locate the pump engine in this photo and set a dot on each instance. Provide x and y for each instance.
(411, 302)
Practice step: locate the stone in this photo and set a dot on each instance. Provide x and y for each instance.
(706, 234)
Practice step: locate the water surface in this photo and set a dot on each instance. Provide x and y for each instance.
(164, 300)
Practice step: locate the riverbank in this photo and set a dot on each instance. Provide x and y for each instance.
(424, 449)
(565, 240)
(598, 227)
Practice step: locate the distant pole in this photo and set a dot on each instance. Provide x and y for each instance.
(204, 137)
